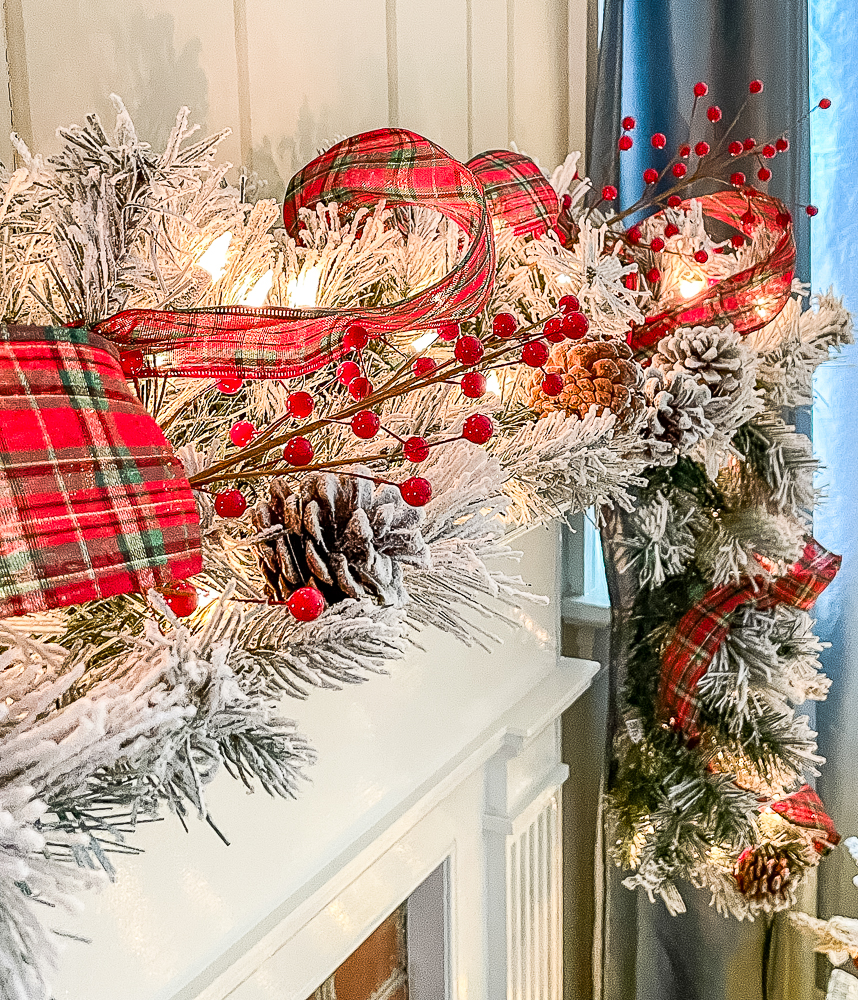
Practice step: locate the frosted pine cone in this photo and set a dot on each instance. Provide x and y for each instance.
(342, 534)
(767, 875)
(714, 357)
(599, 373)
(676, 407)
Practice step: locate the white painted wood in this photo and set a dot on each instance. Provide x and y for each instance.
(489, 75)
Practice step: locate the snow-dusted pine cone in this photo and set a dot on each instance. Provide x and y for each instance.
(713, 356)
(767, 875)
(594, 372)
(343, 534)
(676, 406)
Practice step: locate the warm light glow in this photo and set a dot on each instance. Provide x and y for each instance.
(563, 279)
(421, 343)
(689, 287)
(259, 293)
(214, 259)
(302, 291)
(493, 384)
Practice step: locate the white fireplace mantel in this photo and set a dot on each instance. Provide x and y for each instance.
(455, 756)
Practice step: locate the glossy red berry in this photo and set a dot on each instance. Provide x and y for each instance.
(702, 148)
(783, 219)
(653, 275)
(671, 229)
(634, 234)
(566, 202)
(674, 201)
(650, 175)
(504, 325)
(714, 114)
(679, 170)
(625, 143)
(737, 240)
(782, 144)
(552, 385)
(737, 179)
(755, 86)
(355, 338)
(534, 353)
(659, 140)
(569, 304)
(825, 104)
(811, 210)
(347, 372)
(423, 366)
(181, 597)
(609, 193)
(242, 433)
(629, 123)
(449, 331)
(300, 404)
(306, 604)
(132, 362)
(416, 492)
(701, 256)
(468, 350)
(298, 451)
(735, 148)
(764, 174)
(553, 330)
(365, 424)
(360, 388)
(701, 89)
(575, 325)
(685, 151)
(473, 384)
(230, 503)
(657, 244)
(415, 449)
(478, 428)
(230, 386)
(749, 144)
(768, 151)
(748, 218)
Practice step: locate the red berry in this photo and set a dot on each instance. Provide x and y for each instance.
(737, 179)
(569, 304)
(504, 325)
(306, 604)
(626, 142)
(478, 428)
(679, 170)
(415, 449)
(242, 433)
(416, 492)
(449, 331)
(566, 202)
(653, 275)
(423, 366)
(702, 148)
(783, 219)
(298, 451)
(714, 114)
(768, 151)
(701, 256)
(737, 240)
(230, 503)
(685, 151)
(553, 330)
(552, 385)
(650, 175)
(755, 86)
(749, 144)
(659, 140)
(782, 144)
(764, 174)
(634, 234)
(365, 424)
(356, 338)
(701, 89)
(657, 244)
(132, 362)
(300, 404)
(575, 325)
(609, 192)
(347, 372)
(671, 229)
(811, 210)
(629, 123)
(735, 148)
(180, 596)
(360, 388)
(468, 350)
(674, 201)
(825, 104)
(473, 384)
(748, 218)
(230, 386)
(535, 353)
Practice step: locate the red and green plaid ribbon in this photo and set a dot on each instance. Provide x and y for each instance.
(750, 299)
(805, 808)
(392, 165)
(93, 502)
(702, 629)
(517, 191)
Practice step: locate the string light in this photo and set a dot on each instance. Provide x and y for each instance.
(214, 259)
(302, 291)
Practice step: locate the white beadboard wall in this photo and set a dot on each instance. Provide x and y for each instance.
(290, 76)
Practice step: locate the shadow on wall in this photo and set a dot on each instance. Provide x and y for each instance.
(276, 162)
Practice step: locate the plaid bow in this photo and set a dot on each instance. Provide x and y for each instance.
(805, 808)
(393, 165)
(516, 191)
(702, 629)
(93, 502)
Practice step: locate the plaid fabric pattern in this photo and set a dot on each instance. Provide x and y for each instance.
(516, 191)
(390, 164)
(702, 629)
(805, 808)
(92, 500)
(750, 299)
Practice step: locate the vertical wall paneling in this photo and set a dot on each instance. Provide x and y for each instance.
(489, 75)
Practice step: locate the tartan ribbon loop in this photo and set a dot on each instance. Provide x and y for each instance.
(394, 165)
(93, 502)
(703, 628)
(805, 808)
(749, 299)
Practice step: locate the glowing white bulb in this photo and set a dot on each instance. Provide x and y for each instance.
(214, 259)
(563, 279)
(421, 343)
(493, 384)
(259, 293)
(689, 288)
(302, 291)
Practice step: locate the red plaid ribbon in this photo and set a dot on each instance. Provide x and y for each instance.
(93, 502)
(750, 299)
(702, 629)
(516, 191)
(805, 808)
(389, 164)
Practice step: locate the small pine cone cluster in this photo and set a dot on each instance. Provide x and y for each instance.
(600, 373)
(767, 875)
(676, 409)
(341, 534)
(714, 357)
